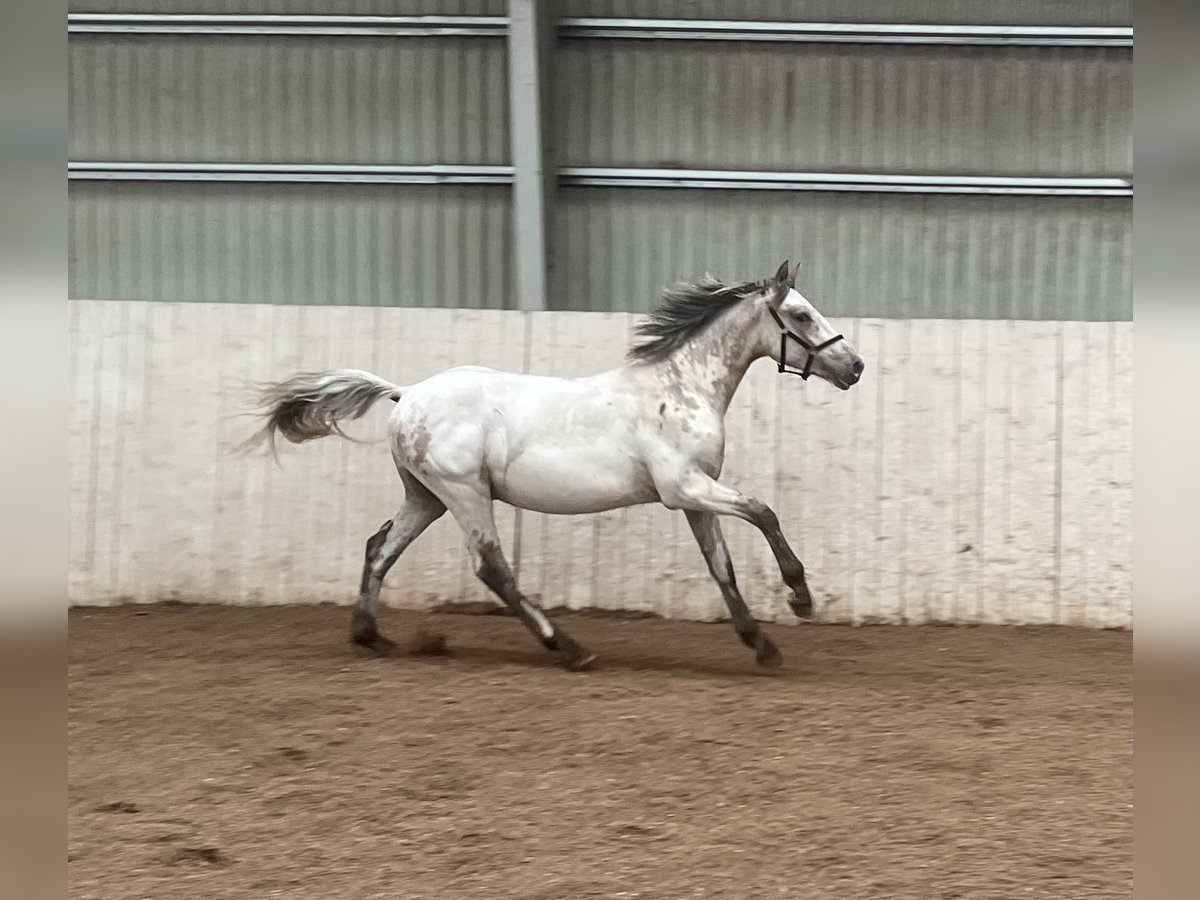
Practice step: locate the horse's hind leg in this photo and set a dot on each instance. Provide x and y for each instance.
(707, 529)
(421, 508)
(494, 571)
(472, 508)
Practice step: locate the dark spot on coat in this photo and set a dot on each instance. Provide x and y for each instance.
(420, 444)
(662, 408)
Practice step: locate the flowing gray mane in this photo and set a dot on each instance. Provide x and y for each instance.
(686, 310)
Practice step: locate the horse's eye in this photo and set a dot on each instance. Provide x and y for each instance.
(803, 318)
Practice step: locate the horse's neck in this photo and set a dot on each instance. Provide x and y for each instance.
(714, 363)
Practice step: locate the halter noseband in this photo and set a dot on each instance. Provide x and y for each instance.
(810, 349)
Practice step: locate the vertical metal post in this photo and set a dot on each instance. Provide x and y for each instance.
(530, 48)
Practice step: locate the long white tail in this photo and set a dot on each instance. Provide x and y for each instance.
(310, 405)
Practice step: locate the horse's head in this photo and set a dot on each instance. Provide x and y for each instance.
(802, 340)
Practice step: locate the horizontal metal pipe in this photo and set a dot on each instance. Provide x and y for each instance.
(397, 26)
(843, 32)
(660, 29)
(836, 181)
(583, 176)
(265, 172)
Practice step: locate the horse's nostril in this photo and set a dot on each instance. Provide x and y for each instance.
(858, 367)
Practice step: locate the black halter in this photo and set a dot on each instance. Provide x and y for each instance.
(810, 349)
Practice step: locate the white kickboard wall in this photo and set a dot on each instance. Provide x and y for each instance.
(980, 472)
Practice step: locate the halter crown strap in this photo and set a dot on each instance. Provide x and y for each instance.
(812, 350)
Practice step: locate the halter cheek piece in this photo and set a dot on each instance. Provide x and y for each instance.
(811, 350)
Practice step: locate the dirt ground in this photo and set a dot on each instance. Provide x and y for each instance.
(228, 752)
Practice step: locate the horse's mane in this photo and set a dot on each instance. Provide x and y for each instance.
(685, 310)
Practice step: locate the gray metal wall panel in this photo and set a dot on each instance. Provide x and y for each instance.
(354, 245)
(297, 7)
(871, 255)
(821, 107)
(926, 12)
(247, 98)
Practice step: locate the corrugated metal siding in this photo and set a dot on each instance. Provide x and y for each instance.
(249, 98)
(298, 7)
(879, 255)
(821, 107)
(928, 12)
(354, 245)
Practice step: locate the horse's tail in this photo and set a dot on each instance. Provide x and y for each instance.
(310, 405)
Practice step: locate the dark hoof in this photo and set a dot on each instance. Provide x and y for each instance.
(802, 602)
(767, 654)
(376, 642)
(583, 661)
(575, 658)
(365, 633)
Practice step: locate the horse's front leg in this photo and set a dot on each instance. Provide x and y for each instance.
(707, 529)
(696, 491)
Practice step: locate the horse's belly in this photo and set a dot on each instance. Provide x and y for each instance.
(542, 480)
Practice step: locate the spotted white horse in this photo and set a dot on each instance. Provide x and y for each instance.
(652, 431)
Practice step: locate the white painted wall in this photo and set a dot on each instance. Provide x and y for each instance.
(982, 471)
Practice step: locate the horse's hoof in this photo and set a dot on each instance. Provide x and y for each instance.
(575, 657)
(381, 646)
(581, 661)
(373, 640)
(767, 654)
(802, 603)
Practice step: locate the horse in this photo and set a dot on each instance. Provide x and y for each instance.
(651, 431)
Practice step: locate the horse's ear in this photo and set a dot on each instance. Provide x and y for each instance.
(794, 274)
(781, 276)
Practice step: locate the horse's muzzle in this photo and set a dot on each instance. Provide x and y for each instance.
(847, 380)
